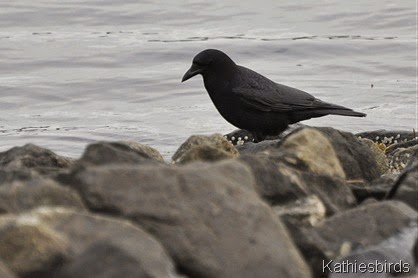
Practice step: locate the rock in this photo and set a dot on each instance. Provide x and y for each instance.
(102, 153)
(265, 147)
(22, 174)
(357, 159)
(5, 272)
(239, 137)
(314, 150)
(33, 157)
(405, 188)
(205, 148)
(118, 263)
(206, 215)
(144, 149)
(86, 233)
(29, 249)
(280, 184)
(388, 137)
(404, 145)
(377, 189)
(246, 145)
(380, 226)
(381, 159)
(18, 196)
(400, 157)
(305, 211)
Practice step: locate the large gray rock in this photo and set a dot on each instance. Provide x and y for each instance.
(18, 196)
(101, 153)
(357, 159)
(204, 148)
(33, 157)
(207, 216)
(58, 242)
(281, 183)
(376, 228)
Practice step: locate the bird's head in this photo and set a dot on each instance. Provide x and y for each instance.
(209, 60)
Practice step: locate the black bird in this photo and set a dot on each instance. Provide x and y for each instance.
(253, 102)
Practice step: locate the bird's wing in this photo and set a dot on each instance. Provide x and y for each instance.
(263, 94)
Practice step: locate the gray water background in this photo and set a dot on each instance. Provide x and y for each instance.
(74, 72)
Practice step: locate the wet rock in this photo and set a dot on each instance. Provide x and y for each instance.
(102, 153)
(381, 159)
(314, 151)
(357, 159)
(389, 225)
(83, 233)
(18, 196)
(206, 215)
(33, 157)
(204, 148)
(30, 249)
(280, 184)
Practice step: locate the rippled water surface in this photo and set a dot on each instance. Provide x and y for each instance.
(79, 71)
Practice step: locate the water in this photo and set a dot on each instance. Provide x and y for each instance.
(79, 71)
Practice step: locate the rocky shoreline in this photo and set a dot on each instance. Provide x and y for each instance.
(304, 204)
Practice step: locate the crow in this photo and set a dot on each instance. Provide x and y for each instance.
(250, 101)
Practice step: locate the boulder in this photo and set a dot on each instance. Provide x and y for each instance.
(357, 159)
(204, 148)
(33, 157)
(59, 242)
(279, 183)
(102, 153)
(30, 249)
(381, 227)
(314, 151)
(206, 216)
(18, 196)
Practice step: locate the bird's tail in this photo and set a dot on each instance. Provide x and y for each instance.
(341, 112)
(327, 108)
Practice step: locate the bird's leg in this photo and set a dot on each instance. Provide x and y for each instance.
(258, 137)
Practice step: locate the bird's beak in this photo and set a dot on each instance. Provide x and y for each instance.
(194, 70)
